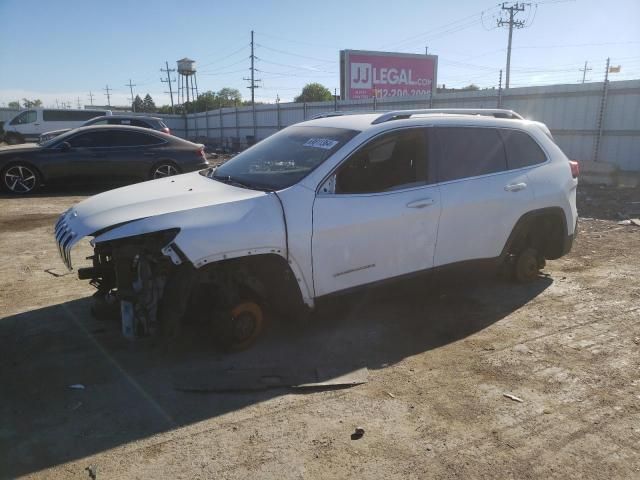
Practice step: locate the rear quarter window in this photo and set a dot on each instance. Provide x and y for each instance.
(464, 152)
(140, 123)
(522, 150)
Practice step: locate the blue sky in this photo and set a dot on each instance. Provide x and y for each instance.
(65, 48)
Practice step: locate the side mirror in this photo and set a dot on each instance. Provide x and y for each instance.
(329, 186)
(65, 146)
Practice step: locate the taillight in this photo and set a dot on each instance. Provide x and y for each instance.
(575, 168)
(200, 153)
(167, 130)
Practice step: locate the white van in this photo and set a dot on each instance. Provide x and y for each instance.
(29, 124)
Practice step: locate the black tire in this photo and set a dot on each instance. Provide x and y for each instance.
(20, 178)
(13, 138)
(527, 266)
(164, 169)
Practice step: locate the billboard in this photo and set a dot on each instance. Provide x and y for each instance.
(365, 74)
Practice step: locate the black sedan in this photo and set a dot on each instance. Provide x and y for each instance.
(104, 153)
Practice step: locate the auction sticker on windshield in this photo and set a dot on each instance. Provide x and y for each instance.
(324, 143)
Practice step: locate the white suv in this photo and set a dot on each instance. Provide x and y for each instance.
(325, 206)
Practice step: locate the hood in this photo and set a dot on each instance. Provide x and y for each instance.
(23, 147)
(143, 200)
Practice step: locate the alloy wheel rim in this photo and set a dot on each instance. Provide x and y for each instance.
(165, 171)
(20, 179)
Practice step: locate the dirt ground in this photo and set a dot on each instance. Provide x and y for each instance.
(440, 360)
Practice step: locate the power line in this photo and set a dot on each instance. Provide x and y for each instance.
(308, 69)
(462, 22)
(294, 54)
(300, 42)
(513, 10)
(227, 66)
(226, 73)
(225, 57)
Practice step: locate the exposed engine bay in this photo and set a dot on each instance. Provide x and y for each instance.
(148, 283)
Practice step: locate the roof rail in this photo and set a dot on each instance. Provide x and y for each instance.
(489, 112)
(327, 114)
(340, 113)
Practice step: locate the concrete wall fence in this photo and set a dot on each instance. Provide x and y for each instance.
(590, 121)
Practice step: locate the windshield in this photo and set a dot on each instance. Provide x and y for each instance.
(284, 158)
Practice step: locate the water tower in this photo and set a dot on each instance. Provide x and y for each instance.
(187, 80)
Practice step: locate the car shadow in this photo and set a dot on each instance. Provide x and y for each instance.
(74, 387)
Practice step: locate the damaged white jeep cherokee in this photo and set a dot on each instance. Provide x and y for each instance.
(324, 206)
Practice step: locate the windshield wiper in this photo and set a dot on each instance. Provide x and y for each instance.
(229, 180)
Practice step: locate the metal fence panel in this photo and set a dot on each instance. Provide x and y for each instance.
(572, 113)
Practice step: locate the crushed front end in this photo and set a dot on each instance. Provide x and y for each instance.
(130, 275)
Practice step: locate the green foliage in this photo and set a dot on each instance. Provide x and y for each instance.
(31, 103)
(206, 101)
(229, 97)
(314, 92)
(14, 105)
(148, 105)
(138, 104)
(164, 109)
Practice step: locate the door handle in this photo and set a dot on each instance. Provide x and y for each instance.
(424, 202)
(515, 187)
(149, 154)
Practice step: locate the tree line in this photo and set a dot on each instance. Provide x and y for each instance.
(209, 100)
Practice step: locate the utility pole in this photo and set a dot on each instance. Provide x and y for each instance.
(252, 86)
(426, 50)
(91, 98)
(168, 71)
(584, 71)
(513, 10)
(500, 90)
(78, 100)
(107, 89)
(131, 85)
(603, 106)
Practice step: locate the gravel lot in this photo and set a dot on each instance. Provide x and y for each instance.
(440, 360)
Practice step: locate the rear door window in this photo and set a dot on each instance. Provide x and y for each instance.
(464, 152)
(69, 115)
(101, 139)
(522, 150)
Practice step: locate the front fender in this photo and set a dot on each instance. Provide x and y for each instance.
(213, 233)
